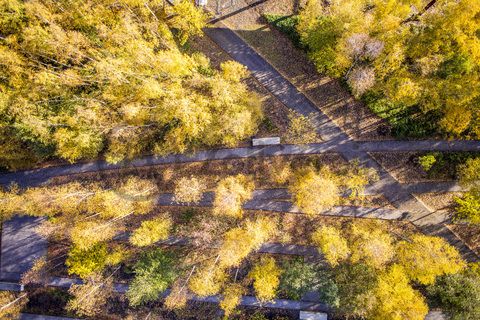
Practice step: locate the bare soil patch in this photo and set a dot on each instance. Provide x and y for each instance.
(439, 200)
(404, 167)
(470, 234)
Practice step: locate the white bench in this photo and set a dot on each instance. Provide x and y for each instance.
(265, 141)
(308, 315)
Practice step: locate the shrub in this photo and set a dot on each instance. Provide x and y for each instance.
(427, 161)
(154, 272)
(285, 24)
(468, 207)
(189, 190)
(279, 171)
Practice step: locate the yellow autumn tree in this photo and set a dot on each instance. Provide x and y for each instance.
(331, 244)
(266, 278)
(125, 87)
(189, 190)
(232, 295)
(425, 257)
(152, 231)
(239, 242)
(230, 194)
(315, 192)
(370, 244)
(12, 304)
(89, 299)
(208, 280)
(395, 299)
(86, 234)
(188, 20)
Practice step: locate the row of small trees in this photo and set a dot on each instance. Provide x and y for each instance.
(91, 216)
(314, 190)
(369, 273)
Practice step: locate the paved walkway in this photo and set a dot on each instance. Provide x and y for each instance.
(353, 149)
(20, 247)
(278, 200)
(288, 94)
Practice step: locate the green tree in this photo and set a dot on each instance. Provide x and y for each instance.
(468, 207)
(154, 272)
(458, 294)
(297, 278)
(355, 283)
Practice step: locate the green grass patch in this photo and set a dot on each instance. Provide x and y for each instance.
(287, 25)
(444, 165)
(406, 121)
